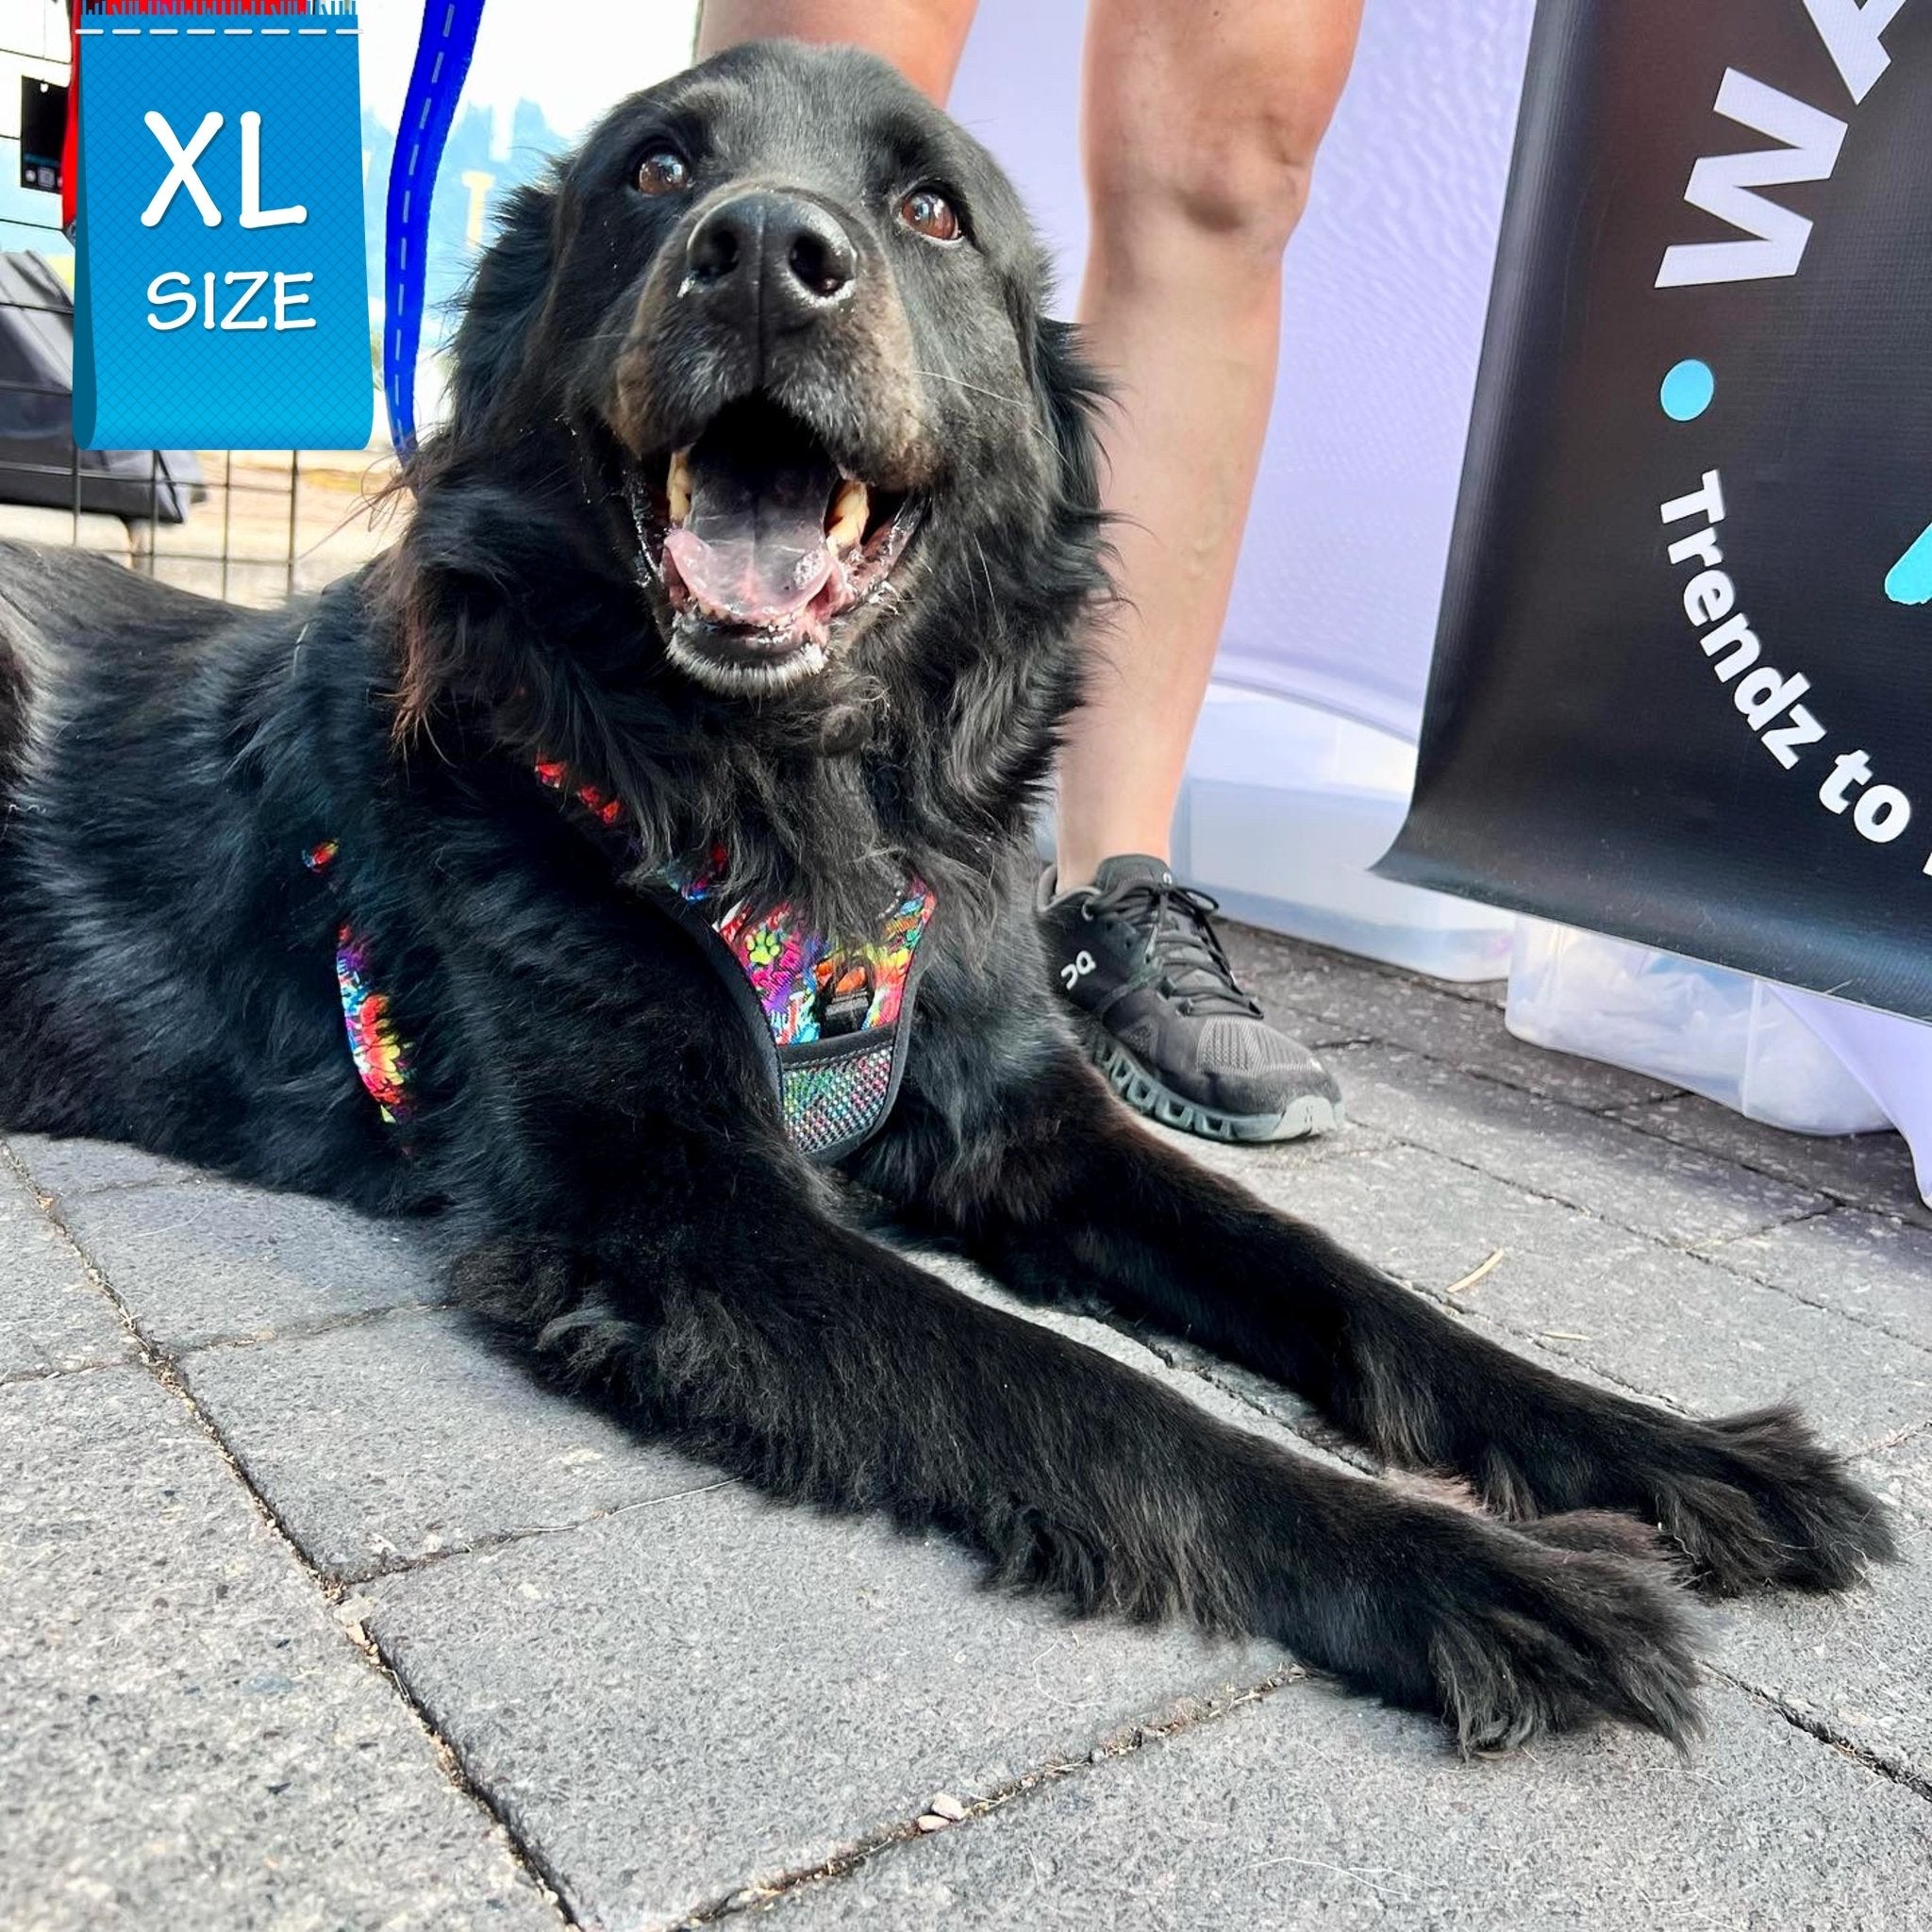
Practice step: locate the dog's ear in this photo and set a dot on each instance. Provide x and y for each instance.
(506, 297)
(459, 533)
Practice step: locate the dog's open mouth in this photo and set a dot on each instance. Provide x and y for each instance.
(762, 543)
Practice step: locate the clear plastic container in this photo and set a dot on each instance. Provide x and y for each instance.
(1722, 1034)
(1285, 808)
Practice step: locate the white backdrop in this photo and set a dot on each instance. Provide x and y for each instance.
(1388, 284)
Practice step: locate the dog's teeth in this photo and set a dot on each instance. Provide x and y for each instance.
(677, 485)
(846, 523)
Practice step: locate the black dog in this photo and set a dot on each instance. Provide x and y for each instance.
(747, 575)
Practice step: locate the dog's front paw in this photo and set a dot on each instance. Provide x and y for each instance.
(1755, 1500)
(1572, 1626)
(1508, 1634)
(1751, 1501)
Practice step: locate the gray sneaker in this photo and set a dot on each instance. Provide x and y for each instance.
(1138, 958)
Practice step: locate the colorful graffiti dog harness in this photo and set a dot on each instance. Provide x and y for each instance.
(834, 1012)
(835, 1015)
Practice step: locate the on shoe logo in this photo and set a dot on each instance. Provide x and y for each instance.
(1077, 968)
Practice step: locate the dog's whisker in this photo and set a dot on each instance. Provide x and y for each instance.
(977, 389)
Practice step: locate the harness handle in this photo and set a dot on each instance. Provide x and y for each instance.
(443, 59)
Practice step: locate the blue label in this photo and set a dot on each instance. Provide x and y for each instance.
(220, 299)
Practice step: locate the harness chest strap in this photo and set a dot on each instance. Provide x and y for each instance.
(833, 1014)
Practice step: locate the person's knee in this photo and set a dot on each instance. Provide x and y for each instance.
(1242, 180)
(1212, 130)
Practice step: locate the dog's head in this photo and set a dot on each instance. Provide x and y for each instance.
(786, 314)
(767, 493)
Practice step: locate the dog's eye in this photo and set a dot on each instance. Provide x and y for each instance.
(663, 171)
(927, 212)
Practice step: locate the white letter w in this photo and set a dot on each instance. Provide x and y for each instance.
(1724, 185)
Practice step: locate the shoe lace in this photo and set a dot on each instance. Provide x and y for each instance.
(1181, 949)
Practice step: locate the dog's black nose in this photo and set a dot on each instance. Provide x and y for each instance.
(766, 248)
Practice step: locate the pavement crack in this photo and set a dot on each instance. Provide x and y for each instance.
(1529, 1191)
(51, 1373)
(305, 1329)
(1123, 1743)
(1823, 1211)
(1707, 1253)
(165, 1370)
(1630, 1115)
(1489, 1077)
(1890, 1764)
(505, 1539)
(1690, 1251)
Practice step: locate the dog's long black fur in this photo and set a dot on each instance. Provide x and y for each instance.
(590, 1105)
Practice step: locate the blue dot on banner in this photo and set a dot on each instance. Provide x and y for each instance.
(1687, 391)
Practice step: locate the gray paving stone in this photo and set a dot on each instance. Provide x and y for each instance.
(1639, 1181)
(674, 1704)
(1868, 1266)
(1341, 999)
(1258, 1165)
(64, 1168)
(198, 1264)
(402, 1437)
(52, 1317)
(1303, 1811)
(1871, 1171)
(1857, 1664)
(188, 1738)
(1668, 1324)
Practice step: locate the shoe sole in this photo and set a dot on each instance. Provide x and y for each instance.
(1147, 1093)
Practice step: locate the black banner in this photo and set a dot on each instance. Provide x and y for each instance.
(1682, 690)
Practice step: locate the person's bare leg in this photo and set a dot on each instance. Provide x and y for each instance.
(921, 38)
(1201, 125)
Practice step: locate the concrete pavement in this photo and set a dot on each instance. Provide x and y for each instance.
(315, 1612)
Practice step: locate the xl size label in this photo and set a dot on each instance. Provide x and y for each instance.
(220, 295)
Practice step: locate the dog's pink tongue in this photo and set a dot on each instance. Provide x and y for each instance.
(752, 549)
(752, 576)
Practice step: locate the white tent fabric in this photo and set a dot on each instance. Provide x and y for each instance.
(1891, 1058)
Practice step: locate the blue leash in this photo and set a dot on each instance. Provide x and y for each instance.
(443, 59)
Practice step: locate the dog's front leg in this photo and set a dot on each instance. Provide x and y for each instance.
(1060, 1193)
(766, 1336)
